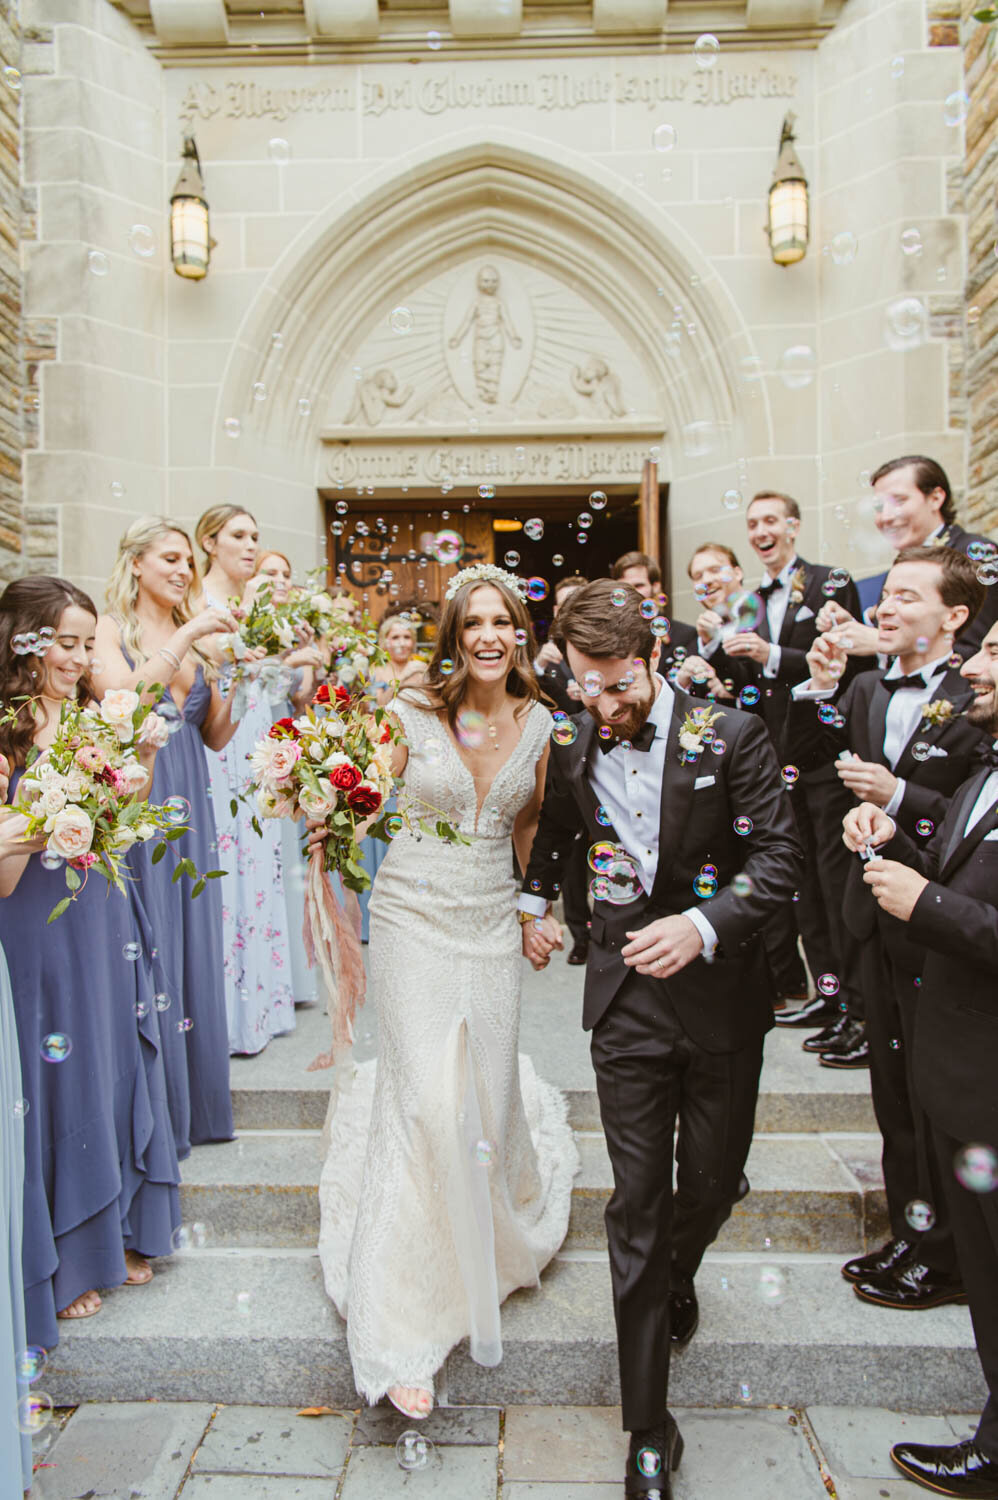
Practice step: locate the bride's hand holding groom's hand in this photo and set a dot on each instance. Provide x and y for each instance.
(540, 938)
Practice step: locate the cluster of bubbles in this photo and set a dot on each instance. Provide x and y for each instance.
(705, 884)
(616, 879)
(32, 642)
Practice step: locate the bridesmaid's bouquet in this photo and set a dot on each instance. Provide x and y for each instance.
(83, 794)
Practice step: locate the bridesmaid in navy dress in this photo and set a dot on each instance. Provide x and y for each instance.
(101, 1174)
(150, 635)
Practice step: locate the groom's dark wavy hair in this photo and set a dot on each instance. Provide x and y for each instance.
(595, 623)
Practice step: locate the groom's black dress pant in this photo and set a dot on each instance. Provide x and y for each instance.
(648, 1072)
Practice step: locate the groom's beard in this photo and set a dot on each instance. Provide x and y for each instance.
(627, 725)
(984, 713)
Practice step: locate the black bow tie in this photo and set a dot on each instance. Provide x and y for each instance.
(915, 680)
(641, 741)
(765, 589)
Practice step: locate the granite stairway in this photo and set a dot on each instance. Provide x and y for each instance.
(243, 1317)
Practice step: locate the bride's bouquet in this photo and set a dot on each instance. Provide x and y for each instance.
(333, 766)
(84, 793)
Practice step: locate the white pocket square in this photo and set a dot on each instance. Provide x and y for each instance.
(703, 781)
(991, 837)
(804, 613)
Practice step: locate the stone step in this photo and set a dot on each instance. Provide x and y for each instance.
(255, 1327)
(274, 1091)
(809, 1193)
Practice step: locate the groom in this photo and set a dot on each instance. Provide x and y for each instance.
(677, 992)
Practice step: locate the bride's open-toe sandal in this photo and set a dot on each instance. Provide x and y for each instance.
(418, 1409)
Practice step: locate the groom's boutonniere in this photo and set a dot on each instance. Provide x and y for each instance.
(697, 730)
(940, 711)
(797, 584)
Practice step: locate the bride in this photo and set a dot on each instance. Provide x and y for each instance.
(448, 1178)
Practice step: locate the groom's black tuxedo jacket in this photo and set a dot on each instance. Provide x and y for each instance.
(955, 748)
(722, 1004)
(955, 1051)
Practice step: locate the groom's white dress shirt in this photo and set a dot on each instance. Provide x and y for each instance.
(628, 783)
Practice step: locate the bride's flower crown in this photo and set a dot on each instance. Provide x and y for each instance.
(486, 573)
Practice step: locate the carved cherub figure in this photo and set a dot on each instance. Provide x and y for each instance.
(375, 394)
(493, 325)
(597, 382)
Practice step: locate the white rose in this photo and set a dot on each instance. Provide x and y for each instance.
(145, 831)
(285, 634)
(133, 776)
(52, 800)
(689, 741)
(274, 805)
(274, 760)
(117, 709)
(72, 833)
(125, 837)
(154, 731)
(318, 804)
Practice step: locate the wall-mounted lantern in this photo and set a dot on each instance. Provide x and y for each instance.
(789, 203)
(191, 243)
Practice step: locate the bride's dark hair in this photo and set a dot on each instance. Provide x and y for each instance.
(446, 689)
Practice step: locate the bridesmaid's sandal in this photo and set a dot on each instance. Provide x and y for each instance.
(139, 1270)
(84, 1306)
(411, 1401)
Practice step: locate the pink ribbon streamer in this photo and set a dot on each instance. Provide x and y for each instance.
(332, 940)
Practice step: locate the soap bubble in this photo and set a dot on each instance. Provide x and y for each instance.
(790, 775)
(593, 684)
(189, 1237)
(897, 66)
(828, 985)
(161, 1001)
(955, 108)
(486, 491)
(618, 598)
(279, 151)
(341, 507)
(797, 366)
(663, 137)
(719, 747)
(743, 826)
(537, 589)
(564, 732)
(749, 696)
(12, 78)
(56, 1047)
(976, 1168)
(142, 1008)
(648, 608)
(534, 528)
(141, 241)
(557, 559)
(705, 886)
(844, 247)
(744, 1392)
(920, 750)
(731, 499)
(20, 1108)
(741, 884)
(34, 1412)
(484, 1152)
(920, 1215)
(597, 500)
(512, 559)
(186, 1024)
(623, 880)
(520, 637)
(400, 320)
(705, 50)
(601, 856)
(434, 41)
(50, 860)
(259, 391)
(304, 406)
(660, 627)
(772, 1287)
(924, 827)
(599, 888)
(177, 810)
(911, 242)
(395, 824)
(244, 1304)
(233, 427)
(987, 573)
(413, 1450)
(648, 1462)
(30, 1363)
(905, 323)
(603, 817)
(447, 547)
(585, 520)
(471, 728)
(98, 263)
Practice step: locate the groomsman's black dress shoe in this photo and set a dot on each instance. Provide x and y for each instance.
(961, 1469)
(849, 1050)
(816, 1012)
(822, 1040)
(684, 1317)
(579, 954)
(879, 1262)
(652, 1458)
(911, 1286)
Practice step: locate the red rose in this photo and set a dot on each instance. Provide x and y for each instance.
(342, 694)
(345, 778)
(364, 798)
(386, 734)
(284, 729)
(322, 694)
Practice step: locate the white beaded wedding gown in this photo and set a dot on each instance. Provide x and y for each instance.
(448, 1177)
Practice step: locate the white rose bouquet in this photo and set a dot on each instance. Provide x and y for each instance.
(83, 795)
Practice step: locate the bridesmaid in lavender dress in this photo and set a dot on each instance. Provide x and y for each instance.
(149, 636)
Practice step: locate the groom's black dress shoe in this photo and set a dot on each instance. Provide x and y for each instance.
(684, 1317)
(816, 1012)
(829, 1036)
(960, 1469)
(652, 1458)
(871, 1267)
(911, 1286)
(579, 954)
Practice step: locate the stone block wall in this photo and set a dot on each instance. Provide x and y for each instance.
(11, 361)
(981, 197)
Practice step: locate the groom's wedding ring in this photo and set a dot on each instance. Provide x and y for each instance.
(658, 963)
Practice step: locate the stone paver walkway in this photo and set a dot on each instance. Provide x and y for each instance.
(187, 1451)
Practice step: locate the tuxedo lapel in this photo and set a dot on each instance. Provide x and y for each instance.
(951, 687)
(676, 798)
(959, 848)
(790, 618)
(876, 720)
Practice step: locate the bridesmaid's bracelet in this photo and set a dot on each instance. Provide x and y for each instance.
(171, 657)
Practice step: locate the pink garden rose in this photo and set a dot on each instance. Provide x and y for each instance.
(72, 833)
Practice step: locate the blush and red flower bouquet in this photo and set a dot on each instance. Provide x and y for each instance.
(84, 794)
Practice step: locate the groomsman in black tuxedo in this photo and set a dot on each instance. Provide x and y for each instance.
(915, 508)
(947, 894)
(903, 742)
(692, 844)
